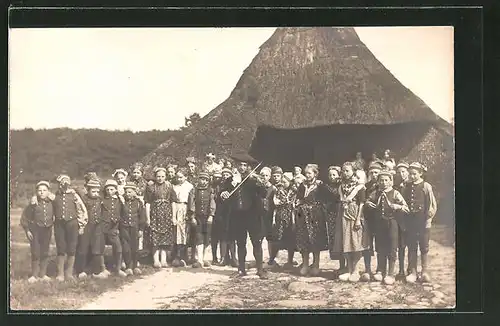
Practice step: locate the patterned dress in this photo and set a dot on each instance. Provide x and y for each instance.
(310, 223)
(160, 197)
(346, 239)
(331, 204)
(283, 228)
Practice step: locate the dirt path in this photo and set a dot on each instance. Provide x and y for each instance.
(215, 289)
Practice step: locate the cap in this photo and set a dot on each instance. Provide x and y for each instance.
(158, 169)
(203, 175)
(43, 183)
(111, 183)
(92, 183)
(62, 177)
(191, 160)
(402, 165)
(418, 166)
(130, 185)
(276, 170)
(336, 168)
(375, 166)
(122, 171)
(226, 170)
(386, 172)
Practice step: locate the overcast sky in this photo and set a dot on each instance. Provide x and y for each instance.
(144, 78)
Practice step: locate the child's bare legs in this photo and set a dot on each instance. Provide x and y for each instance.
(163, 257)
(424, 250)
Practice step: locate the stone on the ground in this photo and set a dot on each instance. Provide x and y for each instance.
(428, 288)
(299, 303)
(436, 301)
(411, 299)
(311, 279)
(437, 294)
(304, 287)
(250, 277)
(284, 278)
(436, 286)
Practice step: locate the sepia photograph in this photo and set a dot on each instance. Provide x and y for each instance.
(284, 168)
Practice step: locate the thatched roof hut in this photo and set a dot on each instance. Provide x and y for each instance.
(317, 77)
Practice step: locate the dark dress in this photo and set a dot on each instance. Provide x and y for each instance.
(283, 228)
(332, 201)
(311, 220)
(160, 197)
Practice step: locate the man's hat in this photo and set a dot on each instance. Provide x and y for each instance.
(130, 185)
(43, 183)
(375, 166)
(276, 170)
(204, 175)
(93, 183)
(111, 183)
(418, 166)
(243, 157)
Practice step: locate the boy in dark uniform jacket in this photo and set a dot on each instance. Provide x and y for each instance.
(92, 237)
(245, 218)
(70, 221)
(385, 204)
(371, 187)
(132, 222)
(37, 221)
(204, 211)
(112, 208)
(422, 205)
(399, 185)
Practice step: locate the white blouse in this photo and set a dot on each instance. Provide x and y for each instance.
(182, 191)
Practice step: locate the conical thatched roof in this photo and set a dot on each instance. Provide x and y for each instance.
(301, 77)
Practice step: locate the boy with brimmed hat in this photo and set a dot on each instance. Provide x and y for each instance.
(111, 213)
(70, 221)
(245, 218)
(422, 206)
(387, 206)
(92, 238)
(132, 223)
(37, 221)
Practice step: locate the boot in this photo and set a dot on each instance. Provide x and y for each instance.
(315, 265)
(389, 279)
(305, 264)
(60, 268)
(35, 270)
(44, 262)
(367, 257)
(100, 268)
(379, 274)
(425, 275)
(70, 265)
(119, 260)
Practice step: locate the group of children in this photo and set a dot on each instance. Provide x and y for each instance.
(354, 214)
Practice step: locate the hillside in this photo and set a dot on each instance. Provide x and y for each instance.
(301, 77)
(42, 154)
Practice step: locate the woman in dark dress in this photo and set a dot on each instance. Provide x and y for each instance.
(310, 223)
(332, 201)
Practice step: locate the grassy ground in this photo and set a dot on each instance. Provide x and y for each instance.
(53, 295)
